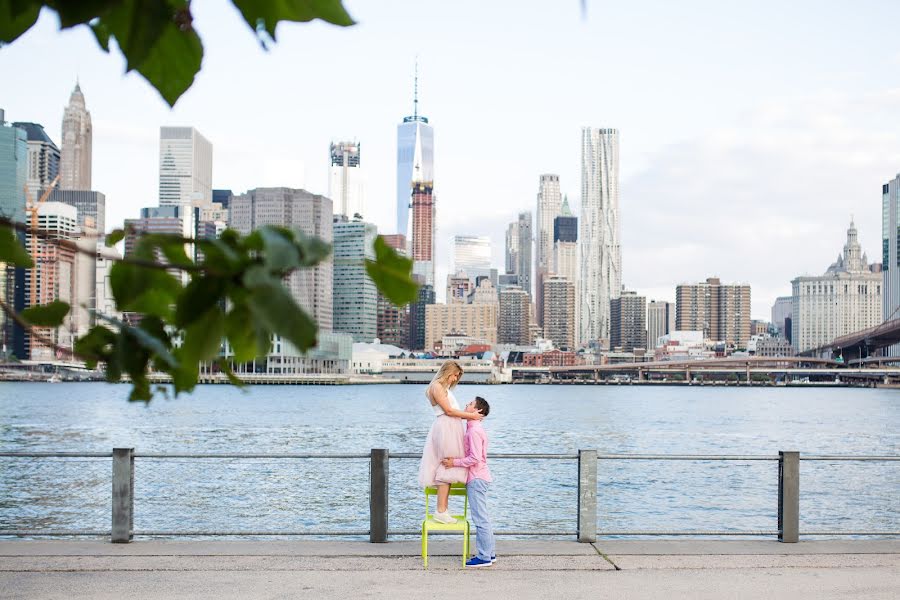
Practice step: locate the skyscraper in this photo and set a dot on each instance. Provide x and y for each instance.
(185, 167)
(628, 322)
(417, 316)
(43, 158)
(781, 316)
(422, 244)
(355, 296)
(721, 312)
(302, 211)
(77, 133)
(415, 159)
(518, 251)
(890, 250)
(660, 321)
(91, 206)
(346, 186)
(601, 258)
(13, 175)
(549, 205)
(472, 254)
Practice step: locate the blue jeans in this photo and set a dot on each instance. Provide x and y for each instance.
(484, 534)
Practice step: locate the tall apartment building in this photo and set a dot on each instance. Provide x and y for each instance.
(459, 286)
(890, 254)
(415, 161)
(302, 211)
(91, 206)
(559, 311)
(393, 321)
(53, 276)
(549, 206)
(422, 243)
(660, 321)
(77, 134)
(847, 298)
(346, 182)
(417, 314)
(721, 312)
(355, 305)
(518, 251)
(185, 167)
(13, 175)
(628, 321)
(513, 320)
(601, 256)
(476, 320)
(43, 158)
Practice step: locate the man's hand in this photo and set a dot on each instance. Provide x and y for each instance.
(447, 462)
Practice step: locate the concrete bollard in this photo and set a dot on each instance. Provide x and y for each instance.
(587, 495)
(122, 495)
(378, 495)
(789, 497)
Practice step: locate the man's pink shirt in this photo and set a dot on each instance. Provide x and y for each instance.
(476, 453)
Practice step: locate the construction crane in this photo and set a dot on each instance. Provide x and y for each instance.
(36, 254)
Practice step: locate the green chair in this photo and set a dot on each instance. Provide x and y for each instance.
(461, 525)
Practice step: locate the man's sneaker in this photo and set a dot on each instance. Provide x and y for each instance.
(477, 562)
(444, 517)
(493, 559)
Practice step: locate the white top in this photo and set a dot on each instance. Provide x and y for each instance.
(438, 411)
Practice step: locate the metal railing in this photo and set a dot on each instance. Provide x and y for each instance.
(123, 494)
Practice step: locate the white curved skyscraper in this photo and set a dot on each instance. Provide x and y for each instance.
(415, 159)
(601, 256)
(77, 133)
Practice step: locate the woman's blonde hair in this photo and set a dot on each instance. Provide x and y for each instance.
(447, 369)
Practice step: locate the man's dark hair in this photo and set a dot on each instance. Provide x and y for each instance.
(482, 405)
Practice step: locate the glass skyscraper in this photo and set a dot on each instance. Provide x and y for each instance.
(415, 160)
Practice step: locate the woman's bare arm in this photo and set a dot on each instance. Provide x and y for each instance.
(439, 395)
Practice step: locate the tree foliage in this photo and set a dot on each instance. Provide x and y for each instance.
(180, 310)
(157, 37)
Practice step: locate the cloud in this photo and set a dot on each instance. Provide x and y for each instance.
(765, 199)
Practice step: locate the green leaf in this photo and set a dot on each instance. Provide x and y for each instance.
(203, 339)
(247, 338)
(114, 237)
(173, 62)
(143, 289)
(151, 335)
(17, 17)
(201, 294)
(96, 345)
(266, 14)
(277, 311)
(11, 251)
(80, 11)
(280, 252)
(313, 250)
(47, 315)
(392, 274)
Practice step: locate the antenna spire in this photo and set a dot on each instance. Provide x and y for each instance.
(416, 91)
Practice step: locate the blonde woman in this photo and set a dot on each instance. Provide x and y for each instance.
(445, 438)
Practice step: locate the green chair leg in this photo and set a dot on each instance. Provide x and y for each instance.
(424, 546)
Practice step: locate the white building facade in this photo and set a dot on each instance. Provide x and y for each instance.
(601, 258)
(346, 180)
(185, 167)
(847, 298)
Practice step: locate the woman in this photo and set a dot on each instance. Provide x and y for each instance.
(445, 438)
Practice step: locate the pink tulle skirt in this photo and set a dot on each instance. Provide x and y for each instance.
(444, 440)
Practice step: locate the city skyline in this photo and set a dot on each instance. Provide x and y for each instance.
(689, 167)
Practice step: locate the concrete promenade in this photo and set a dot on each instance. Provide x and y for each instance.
(663, 569)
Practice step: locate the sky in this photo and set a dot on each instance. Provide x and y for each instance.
(749, 133)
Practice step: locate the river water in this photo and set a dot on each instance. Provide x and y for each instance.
(202, 495)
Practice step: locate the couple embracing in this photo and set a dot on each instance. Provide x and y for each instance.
(457, 453)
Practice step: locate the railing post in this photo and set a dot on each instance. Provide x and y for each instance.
(378, 495)
(587, 495)
(122, 495)
(789, 497)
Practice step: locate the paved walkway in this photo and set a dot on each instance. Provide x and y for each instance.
(661, 569)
